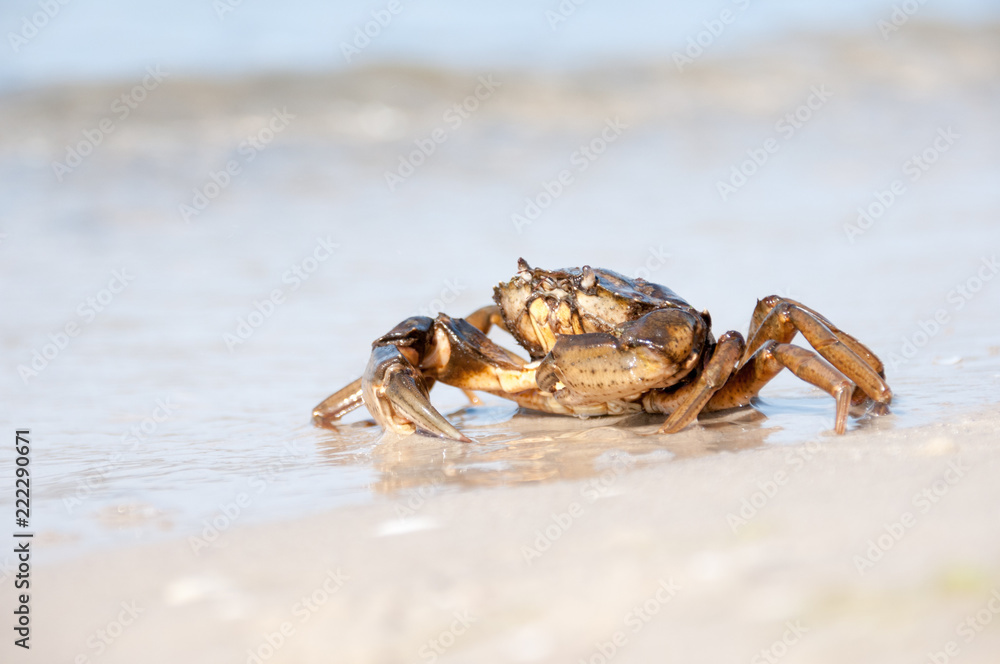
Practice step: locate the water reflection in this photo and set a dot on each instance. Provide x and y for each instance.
(515, 446)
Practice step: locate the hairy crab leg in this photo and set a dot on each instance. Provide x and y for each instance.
(768, 361)
(785, 318)
(727, 353)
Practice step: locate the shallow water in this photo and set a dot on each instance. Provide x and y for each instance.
(238, 420)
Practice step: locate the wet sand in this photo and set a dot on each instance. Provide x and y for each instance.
(706, 559)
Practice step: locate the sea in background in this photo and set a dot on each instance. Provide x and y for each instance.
(117, 39)
(159, 412)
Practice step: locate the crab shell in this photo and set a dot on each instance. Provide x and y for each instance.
(540, 305)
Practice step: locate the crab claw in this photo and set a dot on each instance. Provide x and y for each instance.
(396, 396)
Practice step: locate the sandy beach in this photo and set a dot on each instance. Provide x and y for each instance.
(876, 547)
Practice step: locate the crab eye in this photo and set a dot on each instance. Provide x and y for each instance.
(523, 270)
(588, 279)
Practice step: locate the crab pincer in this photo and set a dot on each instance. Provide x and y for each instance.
(395, 395)
(407, 361)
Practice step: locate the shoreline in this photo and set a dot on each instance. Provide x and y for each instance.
(543, 570)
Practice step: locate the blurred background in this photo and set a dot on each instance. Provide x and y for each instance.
(116, 40)
(209, 209)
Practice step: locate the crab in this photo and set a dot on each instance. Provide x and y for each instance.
(604, 344)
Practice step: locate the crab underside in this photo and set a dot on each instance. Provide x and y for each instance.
(600, 344)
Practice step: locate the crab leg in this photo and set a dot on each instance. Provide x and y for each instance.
(768, 361)
(778, 319)
(535, 399)
(765, 306)
(338, 404)
(421, 350)
(349, 398)
(685, 404)
(485, 317)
